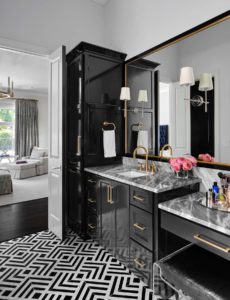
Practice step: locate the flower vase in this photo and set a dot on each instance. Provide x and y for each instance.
(182, 174)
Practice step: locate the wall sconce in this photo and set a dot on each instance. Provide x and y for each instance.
(125, 96)
(187, 79)
(206, 85)
(142, 97)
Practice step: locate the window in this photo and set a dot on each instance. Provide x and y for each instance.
(7, 125)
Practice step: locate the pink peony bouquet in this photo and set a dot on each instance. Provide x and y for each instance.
(206, 157)
(182, 163)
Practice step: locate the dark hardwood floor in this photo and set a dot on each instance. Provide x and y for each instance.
(23, 218)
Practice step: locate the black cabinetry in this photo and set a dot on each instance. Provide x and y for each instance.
(115, 218)
(108, 215)
(94, 80)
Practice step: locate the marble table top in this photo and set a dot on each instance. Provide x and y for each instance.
(161, 181)
(188, 207)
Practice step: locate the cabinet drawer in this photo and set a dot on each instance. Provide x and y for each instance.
(91, 193)
(141, 262)
(141, 198)
(204, 237)
(94, 226)
(141, 227)
(92, 203)
(91, 181)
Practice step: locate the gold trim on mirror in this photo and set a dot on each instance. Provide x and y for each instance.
(158, 48)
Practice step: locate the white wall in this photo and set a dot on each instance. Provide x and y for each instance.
(44, 25)
(168, 59)
(42, 113)
(133, 26)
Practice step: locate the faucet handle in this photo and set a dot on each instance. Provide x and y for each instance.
(141, 166)
(153, 168)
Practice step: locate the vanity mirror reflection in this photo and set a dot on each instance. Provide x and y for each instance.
(187, 80)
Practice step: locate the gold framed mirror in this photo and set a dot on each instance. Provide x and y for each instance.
(190, 116)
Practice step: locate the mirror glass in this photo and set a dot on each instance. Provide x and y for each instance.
(176, 112)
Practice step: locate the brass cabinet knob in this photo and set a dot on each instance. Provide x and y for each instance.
(139, 262)
(139, 226)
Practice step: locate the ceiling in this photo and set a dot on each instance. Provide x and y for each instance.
(101, 2)
(28, 72)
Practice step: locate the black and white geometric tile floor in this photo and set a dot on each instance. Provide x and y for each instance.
(40, 266)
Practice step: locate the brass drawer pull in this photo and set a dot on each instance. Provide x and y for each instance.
(111, 195)
(91, 181)
(138, 198)
(139, 263)
(211, 244)
(91, 226)
(108, 193)
(138, 226)
(90, 200)
(78, 145)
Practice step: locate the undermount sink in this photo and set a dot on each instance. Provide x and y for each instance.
(132, 174)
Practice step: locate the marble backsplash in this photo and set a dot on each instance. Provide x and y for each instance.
(208, 176)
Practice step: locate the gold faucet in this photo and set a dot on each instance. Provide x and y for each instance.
(146, 156)
(164, 147)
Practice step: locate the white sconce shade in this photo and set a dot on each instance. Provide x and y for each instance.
(187, 76)
(206, 83)
(143, 96)
(125, 94)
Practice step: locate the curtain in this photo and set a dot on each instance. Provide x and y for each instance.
(26, 127)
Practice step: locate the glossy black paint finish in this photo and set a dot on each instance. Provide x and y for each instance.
(142, 76)
(145, 258)
(23, 218)
(108, 215)
(114, 218)
(202, 123)
(108, 220)
(187, 229)
(94, 77)
(143, 219)
(113, 223)
(153, 242)
(93, 203)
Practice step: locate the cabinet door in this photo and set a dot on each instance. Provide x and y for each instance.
(75, 196)
(103, 79)
(108, 235)
(74, 108)
(121, 192)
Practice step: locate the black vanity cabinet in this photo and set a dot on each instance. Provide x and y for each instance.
(114, 218)
(94, 80)
(108, 215)
(127, 223)
(141, 234)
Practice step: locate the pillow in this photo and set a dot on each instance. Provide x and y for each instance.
(43, 149)
(37, 153)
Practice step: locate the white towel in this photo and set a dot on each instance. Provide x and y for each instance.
(109, 143)
(142, 140)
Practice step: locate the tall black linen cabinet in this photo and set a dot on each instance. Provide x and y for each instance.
(94, 80)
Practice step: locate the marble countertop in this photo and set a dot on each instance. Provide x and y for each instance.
(163, 180)
(188, 207)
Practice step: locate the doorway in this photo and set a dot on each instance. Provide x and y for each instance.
(23, 143)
